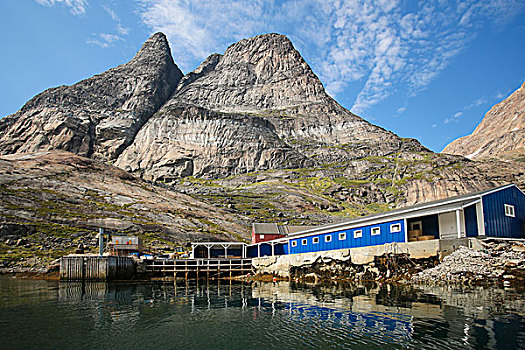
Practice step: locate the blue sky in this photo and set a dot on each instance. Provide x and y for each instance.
(428, 70)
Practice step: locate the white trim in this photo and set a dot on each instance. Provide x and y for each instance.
(294, 243)
(304, 241)
(328, 238)
(360, 233)
(315, 240)
(393, 226)
(375, 228)
(480, 219)
(509, 210)
(342, 236)
(406, 230)
(458, 222)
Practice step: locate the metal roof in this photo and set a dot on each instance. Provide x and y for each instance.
(276, 229)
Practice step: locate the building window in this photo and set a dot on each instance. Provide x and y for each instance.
(294, 243)
(395, 228)
(304, 242)
(358, 233)
(315, 240)
(342, 236)
(261, 236)
(328, 238)
(376, 231)
(509, 210)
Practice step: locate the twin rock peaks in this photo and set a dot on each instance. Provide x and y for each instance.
(257, 107)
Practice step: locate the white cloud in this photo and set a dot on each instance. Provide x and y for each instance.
(77, 7)
(382, 45)
(104, 40)
(120, 29)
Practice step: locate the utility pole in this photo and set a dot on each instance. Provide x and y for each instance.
(100, 241)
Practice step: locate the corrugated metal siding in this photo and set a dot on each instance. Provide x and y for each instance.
(496, 223)
(350, 242)
(471, 221)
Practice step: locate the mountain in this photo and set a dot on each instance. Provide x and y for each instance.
(97, 117)
(255, 108)
(500, 135)
(249, 136)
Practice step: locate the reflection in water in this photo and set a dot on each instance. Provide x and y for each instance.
(39, 314)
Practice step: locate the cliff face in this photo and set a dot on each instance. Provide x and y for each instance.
(501, 133)
(97, 117)
(257, 107)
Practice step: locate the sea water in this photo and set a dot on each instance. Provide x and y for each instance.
(222, 315)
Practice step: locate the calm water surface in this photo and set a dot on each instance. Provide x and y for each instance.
(53, 315)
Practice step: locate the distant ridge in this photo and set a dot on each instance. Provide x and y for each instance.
(500, 135)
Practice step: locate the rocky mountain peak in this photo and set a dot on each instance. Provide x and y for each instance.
(259, 73)
(97, 117)
(501, 133)
(155, 48)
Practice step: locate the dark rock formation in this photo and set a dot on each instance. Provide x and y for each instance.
(97, 117)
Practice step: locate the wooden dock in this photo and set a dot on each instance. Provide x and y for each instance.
(197, 268)
(96, 268)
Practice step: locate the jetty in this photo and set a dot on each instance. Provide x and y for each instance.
(199, 268)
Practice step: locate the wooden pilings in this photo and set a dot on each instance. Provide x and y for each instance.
(194, 268)
(95, 268)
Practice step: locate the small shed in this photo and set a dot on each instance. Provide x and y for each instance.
(124, 245)
(263, 232)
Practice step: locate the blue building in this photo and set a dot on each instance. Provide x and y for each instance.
(498, 212)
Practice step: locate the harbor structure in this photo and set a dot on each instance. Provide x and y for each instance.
(124, 245)
(497, 212)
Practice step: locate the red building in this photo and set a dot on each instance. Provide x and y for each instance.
(266, 232)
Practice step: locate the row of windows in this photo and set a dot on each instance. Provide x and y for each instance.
(357, 234)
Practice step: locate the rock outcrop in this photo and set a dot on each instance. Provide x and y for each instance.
(97, 117)
(257, 107)
(500, 135)
(50, 202)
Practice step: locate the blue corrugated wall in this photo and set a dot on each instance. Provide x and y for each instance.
(471, 221)
(350, 242)
(496, 223)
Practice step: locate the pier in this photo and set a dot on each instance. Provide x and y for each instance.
(197, 268)
(96, 268)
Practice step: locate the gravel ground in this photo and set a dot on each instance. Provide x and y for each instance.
(498, 262)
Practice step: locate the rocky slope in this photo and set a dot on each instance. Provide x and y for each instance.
(97, 117)
(52, 201)
(500, 135)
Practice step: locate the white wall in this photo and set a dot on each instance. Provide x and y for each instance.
(448, 225)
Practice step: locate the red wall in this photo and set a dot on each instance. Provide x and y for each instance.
(256, 237)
